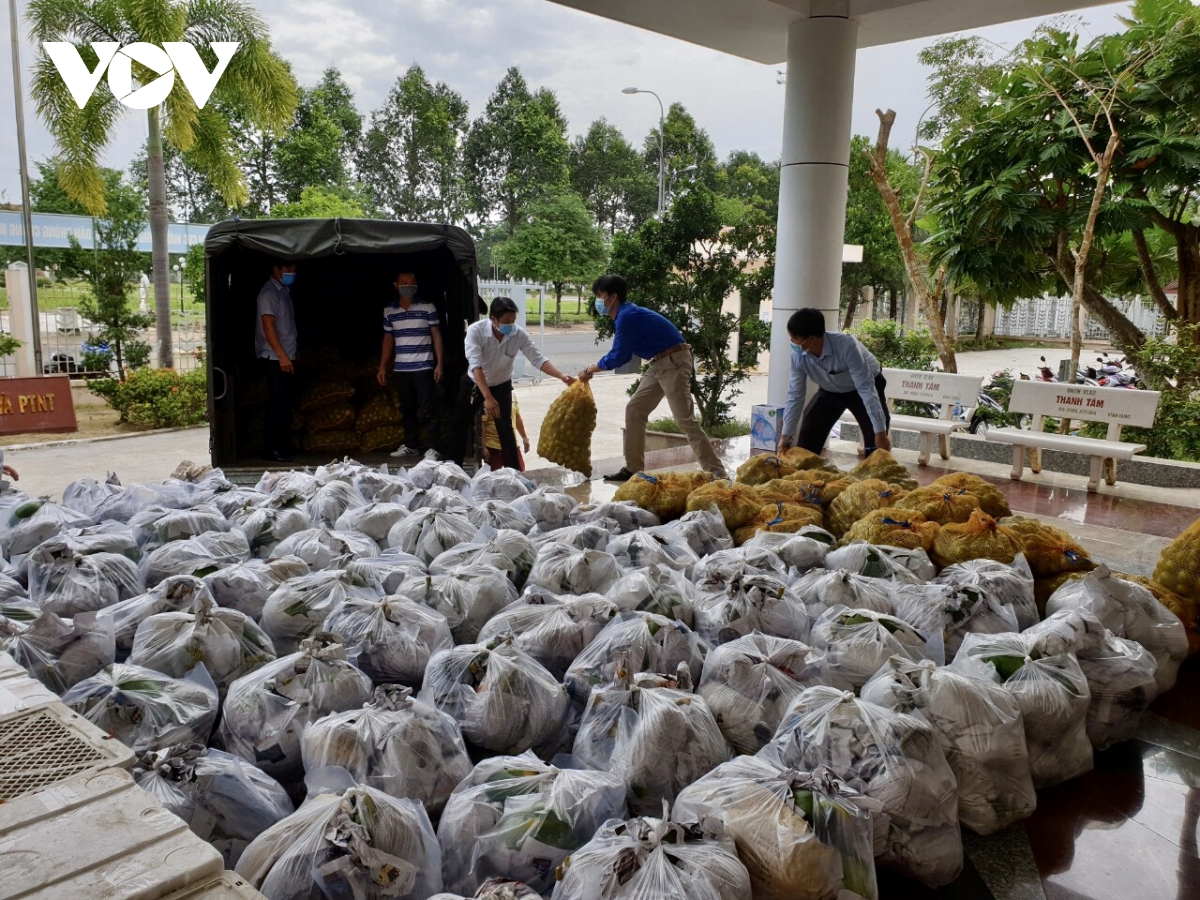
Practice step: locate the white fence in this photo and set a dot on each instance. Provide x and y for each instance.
(1050, 317)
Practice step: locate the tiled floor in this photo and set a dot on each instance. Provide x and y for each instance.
(1128, 829)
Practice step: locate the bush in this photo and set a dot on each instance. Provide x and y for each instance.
(913, 349)
(96, 360)
(722, 431)
(137, 354)
(157, 398)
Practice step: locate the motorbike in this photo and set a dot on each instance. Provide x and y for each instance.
(992, 408)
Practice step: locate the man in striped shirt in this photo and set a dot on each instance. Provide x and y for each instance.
(412, 353)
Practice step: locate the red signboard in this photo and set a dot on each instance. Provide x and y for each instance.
(36, 404)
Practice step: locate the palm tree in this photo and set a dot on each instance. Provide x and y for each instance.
(257, 86)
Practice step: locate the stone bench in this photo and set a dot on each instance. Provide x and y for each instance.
(1116, 407)
(937, 388)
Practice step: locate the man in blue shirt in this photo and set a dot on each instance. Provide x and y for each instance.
(645, 333)
(411, 358)
(849, 378)
(275, 341)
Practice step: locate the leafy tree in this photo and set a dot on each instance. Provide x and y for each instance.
(410, 161)
(557, 242)
(608, 173)
(746, 177)
(191, 196)
(684, 267)
(687, 144)
(309, 154)
(516, 152)
(962, 69)
(112, 268)
(255, 82)
(193, 271)
(337, 100)
(320, 203)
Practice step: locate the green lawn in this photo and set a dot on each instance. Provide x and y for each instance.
(60, 295)
(569, 315)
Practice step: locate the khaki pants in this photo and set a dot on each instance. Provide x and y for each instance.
(670, 377)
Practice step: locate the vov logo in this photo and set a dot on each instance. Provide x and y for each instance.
(165, 61)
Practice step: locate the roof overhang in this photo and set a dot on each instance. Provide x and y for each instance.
(758, 29)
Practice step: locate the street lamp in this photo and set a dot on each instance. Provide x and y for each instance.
(662, 124)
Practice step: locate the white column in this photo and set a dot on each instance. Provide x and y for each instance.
(20, 319)
(814, 177)
(518, 297)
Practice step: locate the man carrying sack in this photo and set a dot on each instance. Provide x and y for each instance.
(645, 333)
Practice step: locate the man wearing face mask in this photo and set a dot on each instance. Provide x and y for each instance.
(412, 356)
(492, 345)
(275, 348)
(651, 336)
(849, 377)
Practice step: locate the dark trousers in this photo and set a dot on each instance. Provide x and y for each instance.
(416, 391)
(826, 407)
(281, 391)
(469, 404)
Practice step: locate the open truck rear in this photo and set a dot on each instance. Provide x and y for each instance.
(346, 269)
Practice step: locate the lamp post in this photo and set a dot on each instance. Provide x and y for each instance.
(178, 268)
(26, 205)
(662, 124)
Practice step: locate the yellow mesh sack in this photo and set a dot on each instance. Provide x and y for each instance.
(857, 500)
(737, 503)
(894, 527)
(377, 412)
(385, 437)
(665, 495)
(805, 460)
(1178, 567)
(991, 498)
(830, 484)
(330, 418)
(566, 435)
(1186, 609)
(782, 518)
(344, 441)
(761, 469)
(1044, 587)
(1050, 551)
(781, 490)
(883, 465)
(940, 504)
(325, 392)
(980, 537)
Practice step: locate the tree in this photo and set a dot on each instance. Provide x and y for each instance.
(556, 242)
(256, 83)
(410, 161)
(112, 268)
(516, 152)
(309, 154)
(687, 144)
(191, 196)
(746, 177)
(963, 67)
(608, 173)
(915, 261)
(685, 267)
(320, 203)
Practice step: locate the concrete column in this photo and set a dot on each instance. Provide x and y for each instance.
(988, 326)
(20, 319)
(518, 297)
(814, 176)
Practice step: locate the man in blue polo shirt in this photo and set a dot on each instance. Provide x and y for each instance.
(275, 341)
(645, 333)
(412, 356)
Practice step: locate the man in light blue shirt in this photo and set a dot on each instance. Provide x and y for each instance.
(849, 378)
(275, 342)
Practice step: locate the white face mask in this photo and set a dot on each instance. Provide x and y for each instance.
(407, 290)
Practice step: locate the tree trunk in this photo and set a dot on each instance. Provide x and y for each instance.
(892, 303)
(1187, 243)
(851, 308)
(1125, 335)
(916, 267)
(1150, 276)
(579, 303)
(558, 292)
(156, 176)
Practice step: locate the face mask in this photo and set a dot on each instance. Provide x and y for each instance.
(797, 351)
(288, 279)
(601, 309)
(407, 291)
(506, 329)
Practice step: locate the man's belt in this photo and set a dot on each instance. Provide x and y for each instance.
(669, 351)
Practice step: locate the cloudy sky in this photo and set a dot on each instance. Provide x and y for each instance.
(585, 60)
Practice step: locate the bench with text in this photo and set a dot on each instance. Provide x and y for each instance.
(1114, 406)
(939, 388)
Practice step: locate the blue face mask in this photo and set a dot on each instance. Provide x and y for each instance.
(601, 309)
(797, 351)
(288, 278)
(506, 329)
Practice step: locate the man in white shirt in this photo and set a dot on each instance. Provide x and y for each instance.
(412, 358)
(492, 344)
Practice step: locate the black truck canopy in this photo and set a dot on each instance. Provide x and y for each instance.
(345, 274)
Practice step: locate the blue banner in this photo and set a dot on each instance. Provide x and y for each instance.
(53, 230)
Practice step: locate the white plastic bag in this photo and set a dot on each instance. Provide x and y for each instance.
(509, 550)
(198, 556)
(500, 515)
(374, 519)
(639, 549)
(550, 508)
(879, 561)
(58, 652)
(562, 569)
(323, 548)
(856, 642)
(468, 596)
(627, 514)
(299, 607)
(952, 610)
(265, 527)
(517, 817)
(503, 699)
(750, 603)
(704, 530)
(981, 731)
(503, 484)
(395, 744)
(389, 638)
(553, 630)
(179, 593)
(1011, 585)
(83, 583)
(803, 550)
(429, 533)
(247, 586)
(656, 589)
(824, 589)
